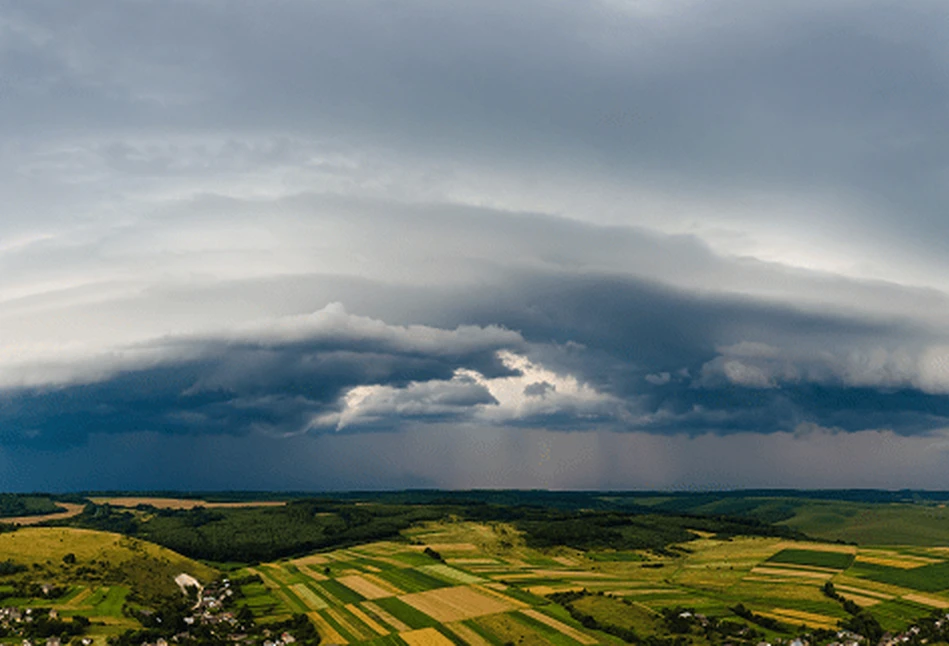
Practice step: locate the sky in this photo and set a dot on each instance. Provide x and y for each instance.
(611, 244)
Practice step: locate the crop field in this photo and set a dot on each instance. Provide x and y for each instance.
(489, 588)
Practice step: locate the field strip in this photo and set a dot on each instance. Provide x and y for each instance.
(815, 547)
(76, 601)
(308, 597)
(559, 626)
(805, 616)
(466, 634)
(312, 573)
(901, 562)
(659, 591)
(796, 573)
(366, 588)
(544, 590)
(366, 619)
(500, 596)
(454, 547)
(286, 596)
(796, 620)
(312, 559)
(797, 566)
(864, 592)
(450, 573)
(454, 604)
(932, 602)
(860, 600)
(425, 637)
(566, 560)
(382, 583)
(352, 628)
(384, 615)
(268, 580)
(475, 561)
(333, 601)
(327, 632)
(577, 574)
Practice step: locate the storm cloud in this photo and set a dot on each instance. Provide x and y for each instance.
(407, 244)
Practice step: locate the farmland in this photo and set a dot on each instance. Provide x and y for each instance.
(492, 587)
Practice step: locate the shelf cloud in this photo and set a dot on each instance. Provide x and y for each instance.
(406, 244)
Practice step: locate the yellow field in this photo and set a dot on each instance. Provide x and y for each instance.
(308, 597)
(932, 602)
(455, 604)
(366, 619)
(425, 637)
(902, 561)
(791, 573)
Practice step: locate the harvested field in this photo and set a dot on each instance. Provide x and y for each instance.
(382, 583)
(932, 602)
(544, 590)
(499, 596)
(384, 616)
(72, 509)
(454, 547)
(455, 604)
(559, 626)
(425, 637)
(328, 634)
(364, 587)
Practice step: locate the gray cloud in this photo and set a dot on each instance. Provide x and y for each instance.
(696, 219)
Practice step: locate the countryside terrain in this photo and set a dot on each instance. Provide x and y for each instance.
(479, 568)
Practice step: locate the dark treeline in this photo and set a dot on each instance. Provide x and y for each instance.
(14, 504)
(254, 534)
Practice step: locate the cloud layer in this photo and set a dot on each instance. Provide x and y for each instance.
(635, 232)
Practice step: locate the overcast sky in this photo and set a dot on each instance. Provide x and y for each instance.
(605, 244)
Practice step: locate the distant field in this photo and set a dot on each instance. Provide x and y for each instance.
(873, 524)
(181, 503)
(72, 509)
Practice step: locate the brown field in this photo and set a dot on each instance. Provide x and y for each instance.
(454, 547)
(327, 632)
(180, 503)
(455, 604)
(385, 616)
(559, 626)
(313, 559)
(500, 596)
(544, 590)
(382, 583)
(72, 509)
(362, 586)
(932, 602)
(466, 634)
(425, 637)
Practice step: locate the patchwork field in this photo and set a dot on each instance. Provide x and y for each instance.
(489, 588)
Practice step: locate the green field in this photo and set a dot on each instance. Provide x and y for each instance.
(835, 560)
